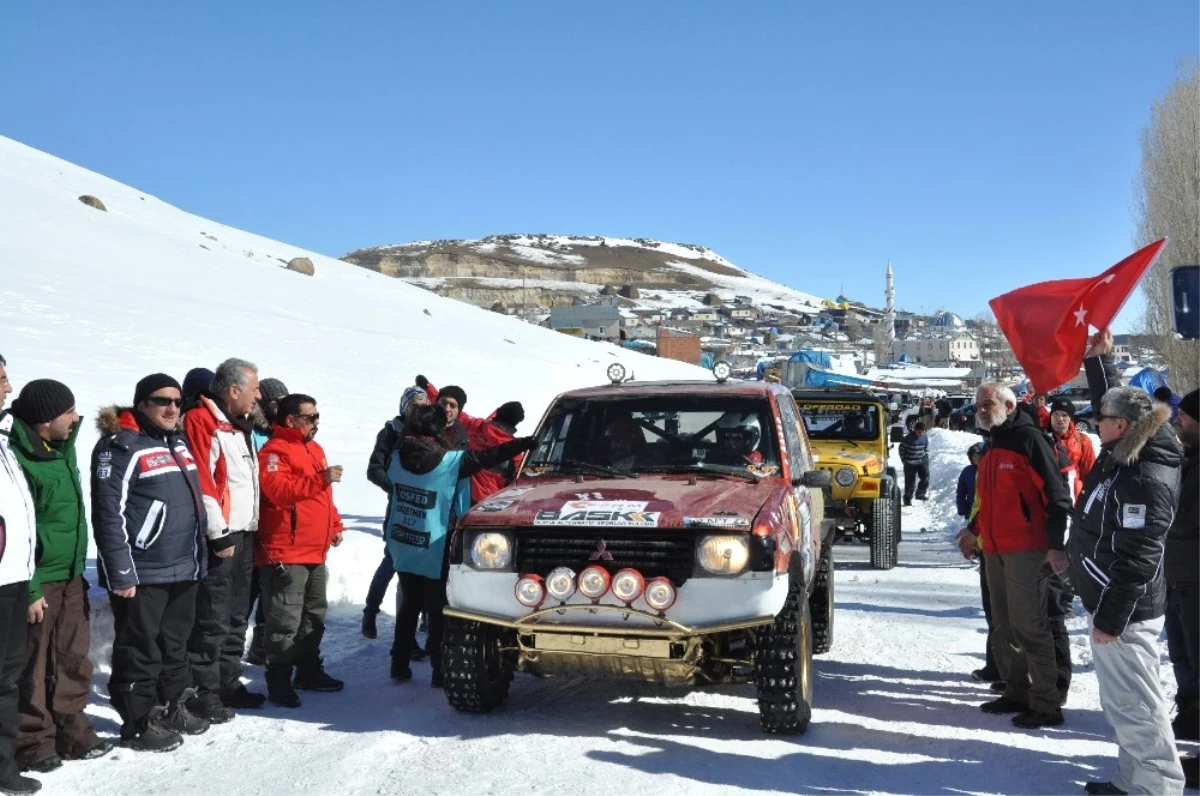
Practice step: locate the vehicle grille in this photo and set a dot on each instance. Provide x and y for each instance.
(538, 552)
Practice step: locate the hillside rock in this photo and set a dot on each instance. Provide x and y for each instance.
(302, 265)
(92, 201)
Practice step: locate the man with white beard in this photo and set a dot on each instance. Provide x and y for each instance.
(1021, 522)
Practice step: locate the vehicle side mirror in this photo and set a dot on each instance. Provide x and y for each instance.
(897, 434)
(816, 479)
(1185, 292)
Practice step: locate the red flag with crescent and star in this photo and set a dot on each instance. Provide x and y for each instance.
(1047, 324)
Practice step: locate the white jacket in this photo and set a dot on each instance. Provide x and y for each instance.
(228, 469)
(18, 541)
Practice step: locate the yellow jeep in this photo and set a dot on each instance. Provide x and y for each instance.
(848, 430)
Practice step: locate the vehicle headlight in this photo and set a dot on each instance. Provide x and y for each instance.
(845, 476)
(491, 550)
(660, 594)
(560, 583)
(724, 555)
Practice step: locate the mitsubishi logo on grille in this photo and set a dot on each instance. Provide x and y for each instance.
(601, 552)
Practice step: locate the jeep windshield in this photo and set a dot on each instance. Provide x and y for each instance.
(841, 421)
(724, 434)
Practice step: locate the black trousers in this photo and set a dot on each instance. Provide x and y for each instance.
(420, 593)
(913, 472)
(149, 658)
(1183, 638)
(222, 609)
(1059, 596)
(14, 603)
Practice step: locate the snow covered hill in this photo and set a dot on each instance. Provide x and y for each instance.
(554, 269)
(99, 299)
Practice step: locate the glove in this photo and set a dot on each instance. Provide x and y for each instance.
(422, 382)
(527, 443)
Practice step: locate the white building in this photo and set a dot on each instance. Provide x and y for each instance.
(958, 346)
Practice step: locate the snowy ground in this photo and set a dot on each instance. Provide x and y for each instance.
(100, 299)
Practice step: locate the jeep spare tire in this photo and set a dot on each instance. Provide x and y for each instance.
(883, 533)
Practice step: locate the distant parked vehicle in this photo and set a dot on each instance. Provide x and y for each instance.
(1085, 419)
(963, 418)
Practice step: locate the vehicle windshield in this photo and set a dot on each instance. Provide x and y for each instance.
(840, 421)
(723, 433)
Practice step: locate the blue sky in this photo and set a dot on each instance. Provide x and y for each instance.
(980, 146)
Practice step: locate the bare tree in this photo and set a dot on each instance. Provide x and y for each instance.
(1168, 203)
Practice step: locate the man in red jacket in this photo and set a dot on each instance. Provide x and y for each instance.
(1077, 444)
(1022, 523)
(501, 427)
(298, 523)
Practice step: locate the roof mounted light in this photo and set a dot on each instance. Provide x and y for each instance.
(616, 373)
(722, 371)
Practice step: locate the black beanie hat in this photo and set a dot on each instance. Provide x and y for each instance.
(152, 384)
(511, 414)
(42, 400)
(1060, 405)
(196, 381)
(455, 392)
(271, 390)
(1190, 405)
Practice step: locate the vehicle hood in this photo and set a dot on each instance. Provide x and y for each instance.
(651, 501)
(833, 454)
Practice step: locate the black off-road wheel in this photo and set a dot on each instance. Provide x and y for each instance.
(477, 665)
(884, 536)
(821, 602)
(784, 674)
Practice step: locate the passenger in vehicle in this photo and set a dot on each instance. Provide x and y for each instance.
(621, 444)
(738, 435)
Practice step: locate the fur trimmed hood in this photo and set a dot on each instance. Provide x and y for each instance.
(113, 419)
(1150, 439)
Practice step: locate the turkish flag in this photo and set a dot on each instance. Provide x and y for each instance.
(1047, 324)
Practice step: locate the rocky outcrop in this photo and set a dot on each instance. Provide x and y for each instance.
(92, 201)
(302, 265)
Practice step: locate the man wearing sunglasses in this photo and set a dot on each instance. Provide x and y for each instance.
(148, 518)
(299, 525)
(1116, 547)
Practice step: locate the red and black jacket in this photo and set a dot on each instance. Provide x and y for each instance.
(1023, 501)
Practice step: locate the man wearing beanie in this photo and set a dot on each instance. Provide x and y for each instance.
(453, 400)
(218, 434)
(1077, 444)
(1181, 567)
(266, 410)
(18, 541)
(501, 427)
(149, 523)
(57, 676)
(195, 383)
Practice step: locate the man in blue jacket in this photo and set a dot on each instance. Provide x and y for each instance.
(149, 522)
(914, 455)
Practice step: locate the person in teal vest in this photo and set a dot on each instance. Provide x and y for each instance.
(431, 489)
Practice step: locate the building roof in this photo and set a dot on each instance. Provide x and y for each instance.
(583, 315)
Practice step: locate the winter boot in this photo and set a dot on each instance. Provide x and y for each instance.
(44, 765)
(209, 706)
(1036, 719)
(18, 785)
(257, 654)
(181, 720)
(1002, 705)
(313, 677)
(986, 675)
(1000, 686)
(97, 750)
(152, 735)
(279, 687)
(368, 624)
(400, 670)
(418, 652)
(241, 699)
(1191, 771)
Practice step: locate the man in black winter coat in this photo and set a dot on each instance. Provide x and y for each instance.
(148, 517)
(1182, 571)
(914, 455)
(1116, 554)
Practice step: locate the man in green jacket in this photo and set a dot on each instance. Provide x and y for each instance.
(57, 677)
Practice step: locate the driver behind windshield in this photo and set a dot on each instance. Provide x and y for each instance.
(738, 435)
(621, 443)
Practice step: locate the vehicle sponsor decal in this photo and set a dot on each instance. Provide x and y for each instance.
(604, 505)
(494, 505)
(716, 522)
(608, 518)
(512, 492)
(827, 408)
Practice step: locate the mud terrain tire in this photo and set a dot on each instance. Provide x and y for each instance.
(884, 537)
(822, 603)
(476, 669)
(784, 662)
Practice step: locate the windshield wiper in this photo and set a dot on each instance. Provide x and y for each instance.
(588, 466)
(704, 468)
